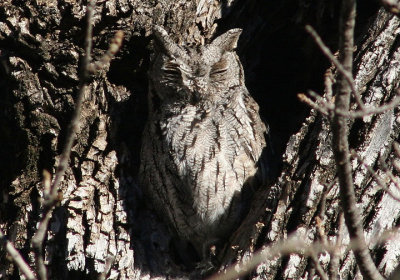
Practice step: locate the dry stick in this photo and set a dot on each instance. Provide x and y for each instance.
(372, 111)
(378, 180)
(317, 265)
(51, 201)
(322, 106)
(328, 81)
(17, 258)
(115, 45)
(293, 244)
(341, 145)
(320, 230)
(335, 253)
(296, 244)
(346, 74)
(364, 111)
(393, 179)
(319, 224)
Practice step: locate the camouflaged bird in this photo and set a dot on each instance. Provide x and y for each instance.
(203, 138)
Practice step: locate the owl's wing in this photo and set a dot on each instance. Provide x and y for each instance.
(261, 147)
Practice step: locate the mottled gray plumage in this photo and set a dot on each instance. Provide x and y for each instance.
(203, 138)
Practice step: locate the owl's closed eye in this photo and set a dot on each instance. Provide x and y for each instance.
(219, 69)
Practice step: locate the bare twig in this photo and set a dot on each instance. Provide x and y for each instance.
(377, 179)
(293, 244)
(317, 265)
(394, 179)
(320, 226)
(320, 229)
(335, 253)
(17, 258)
(328, 81)
(296, 244)
(115, 45)
(341, 145)
(37, 240)
(322, 106)
(372, 110)
(52, 199)
(347, 74)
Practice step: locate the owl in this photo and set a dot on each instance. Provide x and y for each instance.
(202, 143)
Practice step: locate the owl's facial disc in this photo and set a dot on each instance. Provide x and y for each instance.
(197, 73)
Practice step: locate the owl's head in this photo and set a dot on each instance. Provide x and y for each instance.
(194, 74)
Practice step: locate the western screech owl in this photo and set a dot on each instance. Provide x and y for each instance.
(202, 140)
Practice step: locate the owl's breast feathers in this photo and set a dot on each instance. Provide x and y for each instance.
(214, 151)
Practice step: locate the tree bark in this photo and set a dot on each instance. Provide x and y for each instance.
(103, 212)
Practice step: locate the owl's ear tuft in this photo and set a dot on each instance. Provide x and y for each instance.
(162, 40)
(227, 41)
(165, 44)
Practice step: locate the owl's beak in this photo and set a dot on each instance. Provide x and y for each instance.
(197, 88)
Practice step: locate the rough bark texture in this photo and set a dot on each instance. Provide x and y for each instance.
(102, 212)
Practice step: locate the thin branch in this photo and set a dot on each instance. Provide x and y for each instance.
(114, 47)
(335, 253)
(37, 240)
(377, 179)
(347, 74)
(319, 223)
(322, 106)
(17, 258)
(372, 110)
(393, 178)
(295, 244)
(341, 145)
(52, 199)
(388, 172)
(317, 265)
(328, 81)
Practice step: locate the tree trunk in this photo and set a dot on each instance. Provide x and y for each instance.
(103, 212)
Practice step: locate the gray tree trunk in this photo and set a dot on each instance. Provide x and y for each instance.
(103, 212)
